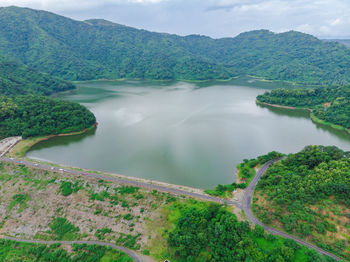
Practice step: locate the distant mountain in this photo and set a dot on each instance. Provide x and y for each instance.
(92, 49)
(16, 78)
(345, 42)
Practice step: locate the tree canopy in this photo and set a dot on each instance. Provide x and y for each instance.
(308, 194)
(93, 49)
(30, 115)
(16, 78)
(211, 233)
(331, 104)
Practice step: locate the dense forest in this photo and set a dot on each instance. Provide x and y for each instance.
(331, 104)
(16, 78)
(210, 233)
(92, 49)
(29, 115)
(308, 194)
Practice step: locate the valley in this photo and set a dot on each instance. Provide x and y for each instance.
(123, 144)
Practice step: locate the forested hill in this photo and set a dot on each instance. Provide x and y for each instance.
(31, 115)
(330, 104)
(345, 42)
(17, 78)
(92, 49)
(308, 194)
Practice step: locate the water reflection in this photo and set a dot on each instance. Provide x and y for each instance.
(182, 133)
(301, 113)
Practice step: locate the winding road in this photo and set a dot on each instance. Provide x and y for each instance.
(247, 207)
(245, 204)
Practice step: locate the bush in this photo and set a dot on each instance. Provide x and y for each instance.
(61, 227)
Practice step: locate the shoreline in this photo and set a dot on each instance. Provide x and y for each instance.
(22, 152)
(312, 116)
(258, 78)
(154, 80)
(281, 106)
(32, 141)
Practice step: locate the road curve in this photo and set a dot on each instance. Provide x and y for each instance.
(130, 253)
(247, 207)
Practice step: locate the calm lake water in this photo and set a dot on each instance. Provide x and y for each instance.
(181, 133)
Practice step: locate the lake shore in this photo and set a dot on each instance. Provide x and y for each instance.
(313, 118)
(20, 148)
(23, 146)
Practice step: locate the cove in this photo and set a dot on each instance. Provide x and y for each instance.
(181, 133)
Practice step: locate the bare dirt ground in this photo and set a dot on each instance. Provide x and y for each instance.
(31, 218)
(8, 143)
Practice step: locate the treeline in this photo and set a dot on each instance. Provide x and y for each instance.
(30, 115)
(92, 49)
(308, 193)
(16, 79)
(211, 233)
(330, 104)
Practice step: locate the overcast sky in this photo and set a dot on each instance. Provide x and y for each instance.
(216, 18)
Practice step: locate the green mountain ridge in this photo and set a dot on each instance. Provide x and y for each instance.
(97, 48)
(16, 78)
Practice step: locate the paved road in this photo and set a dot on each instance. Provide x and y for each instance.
(245, 205)
(247, 202)
(131, 253)
(121, 181)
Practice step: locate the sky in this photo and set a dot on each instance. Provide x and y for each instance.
(215, 18)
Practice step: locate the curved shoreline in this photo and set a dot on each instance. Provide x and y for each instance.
(312, 116)
(22, 152)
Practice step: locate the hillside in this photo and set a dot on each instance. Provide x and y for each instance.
(307, 194)
(345, 42)
(16, 78)
(92, 49)
(329, 105)
(40, 204)
(31, 115)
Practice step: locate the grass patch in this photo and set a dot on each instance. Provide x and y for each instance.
(19, 199)
(63, 229)
(25, 252)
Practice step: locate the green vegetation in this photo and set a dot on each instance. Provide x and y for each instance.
(308, 194)
(329, 104)
(63, 229)
(68, 187)
(101, 196)
(181, 226)
(246, 173)
(100, 233)
(246, 170)
(16, 79)
(96, 49)
(30, 115)
(208, 232)
(224, 190)
(14, 251)
(129, 241)
(19, 199)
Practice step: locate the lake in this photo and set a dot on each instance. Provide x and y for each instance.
(181, 133)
